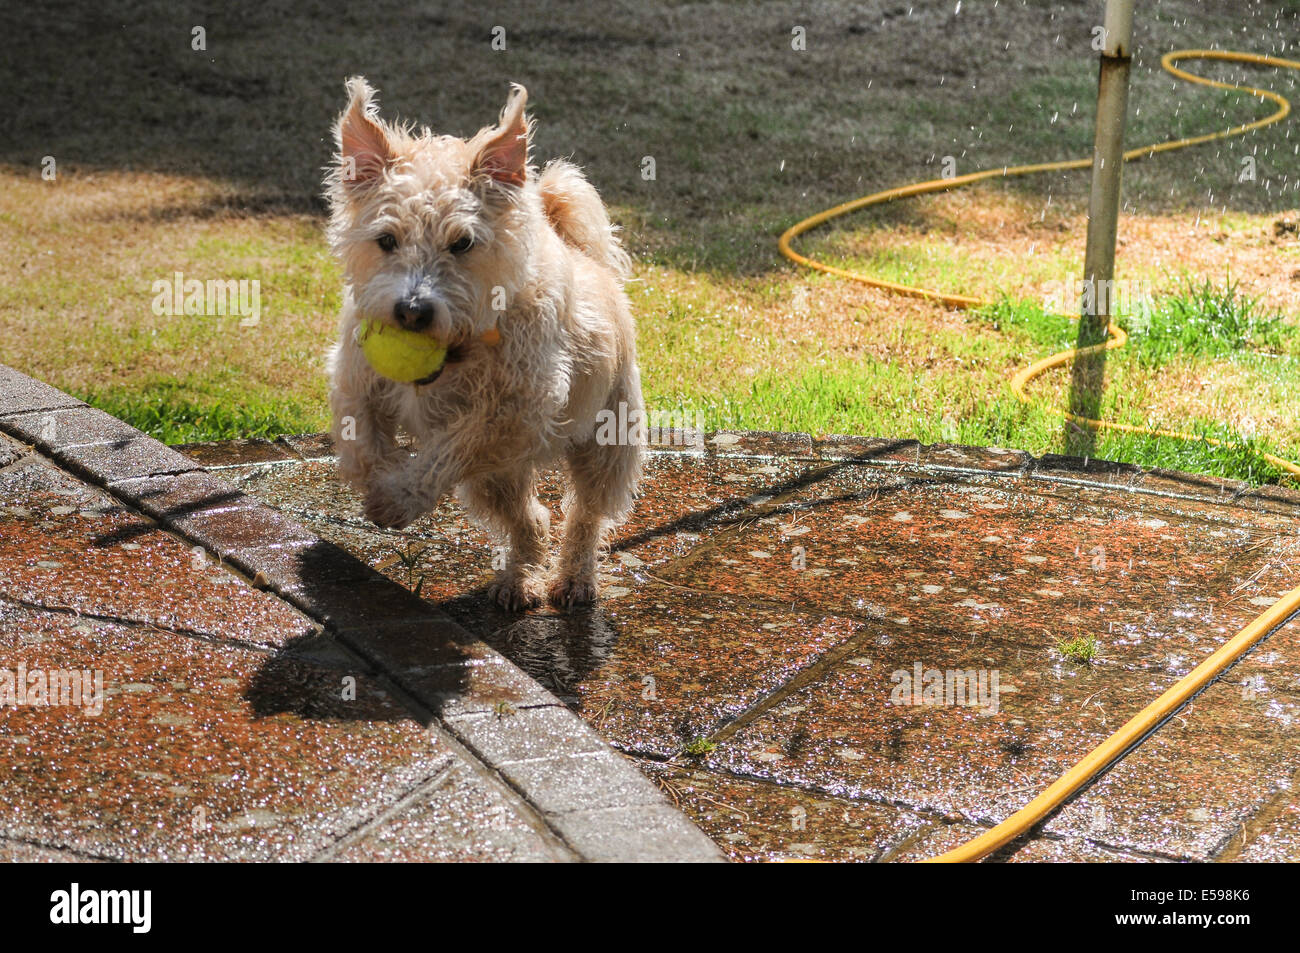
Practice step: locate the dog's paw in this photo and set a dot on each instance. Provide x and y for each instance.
(359, 468)
(354, 472)
(515, 593)
(569, 591)
(391, 507)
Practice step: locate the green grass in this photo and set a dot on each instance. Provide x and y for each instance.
(1239, 458)
(178, 412)
(1205, 319)
(1081, 649)
(699, 747)
(967, 398)
(1199, 326)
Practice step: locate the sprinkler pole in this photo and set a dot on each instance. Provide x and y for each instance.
(1103, 220)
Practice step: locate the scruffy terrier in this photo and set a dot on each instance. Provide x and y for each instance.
(520, 276)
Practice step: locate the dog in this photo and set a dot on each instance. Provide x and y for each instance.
(520, 276)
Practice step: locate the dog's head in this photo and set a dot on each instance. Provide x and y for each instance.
(433, 231)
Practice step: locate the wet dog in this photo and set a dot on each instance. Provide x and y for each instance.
(520, 275)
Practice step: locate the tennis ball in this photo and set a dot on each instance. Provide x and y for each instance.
(398, 354)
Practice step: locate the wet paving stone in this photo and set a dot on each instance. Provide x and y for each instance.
(124, 460)
(30, 476)
(302, 489)
(200, 751)
(693, 492)
(244, 525)
(179, 495)
(937, 726)
(233, 453)
(443, 569)
(657, 668)
(75, 426)
(66, 546)
(758, 443)
(308, 446)
(771, 595)
(988, 562)
(1276, 836)
(10, 450)
(455, 819)
(20, 394)
(16, 852)
(757, 821)
(940, 838)
(1190, 788)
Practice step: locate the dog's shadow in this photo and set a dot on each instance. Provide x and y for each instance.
(558, 649)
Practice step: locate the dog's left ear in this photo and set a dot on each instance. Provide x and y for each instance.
(503, 156)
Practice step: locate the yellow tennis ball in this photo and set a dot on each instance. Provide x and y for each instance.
(400, 355)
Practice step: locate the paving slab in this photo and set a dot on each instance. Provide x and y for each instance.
(773, 594)
(453, 818)
(192, 674)
(754, 820)
(814, 647)
(72, 548)
(197, 754)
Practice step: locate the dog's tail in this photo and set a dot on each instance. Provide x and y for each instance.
(578, 216)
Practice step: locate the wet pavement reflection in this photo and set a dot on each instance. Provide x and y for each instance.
(871, 650)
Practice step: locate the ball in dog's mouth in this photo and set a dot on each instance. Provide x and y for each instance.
(400, 355)
(454, 354)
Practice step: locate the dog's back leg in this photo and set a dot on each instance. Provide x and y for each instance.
(603, 482)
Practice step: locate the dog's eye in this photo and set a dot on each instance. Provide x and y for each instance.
(461, 245)
(387, 241)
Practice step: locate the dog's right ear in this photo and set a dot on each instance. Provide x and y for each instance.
(364, 148)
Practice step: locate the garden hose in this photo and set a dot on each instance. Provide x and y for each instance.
(1151, 717)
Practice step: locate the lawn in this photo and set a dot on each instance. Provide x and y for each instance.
(206, 162)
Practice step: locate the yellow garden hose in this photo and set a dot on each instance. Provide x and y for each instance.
(1132, 733)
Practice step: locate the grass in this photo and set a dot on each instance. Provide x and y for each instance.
(1197, 329)
(1081, 649)
(727, 329)
(177, 411)
(699, 747)
(1204, 319)
(960, 393)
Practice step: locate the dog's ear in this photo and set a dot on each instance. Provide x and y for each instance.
(364, 148)
(503, 155)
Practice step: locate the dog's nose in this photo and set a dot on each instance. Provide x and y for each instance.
(414, 314)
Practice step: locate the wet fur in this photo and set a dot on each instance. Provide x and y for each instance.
(501, 411)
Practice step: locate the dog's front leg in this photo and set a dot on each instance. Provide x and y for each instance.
(400, 494)
(364, 432)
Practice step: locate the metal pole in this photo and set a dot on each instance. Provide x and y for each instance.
(1103, 218)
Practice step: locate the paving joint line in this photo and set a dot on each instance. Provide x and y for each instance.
(379, 818)
(632, 844)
